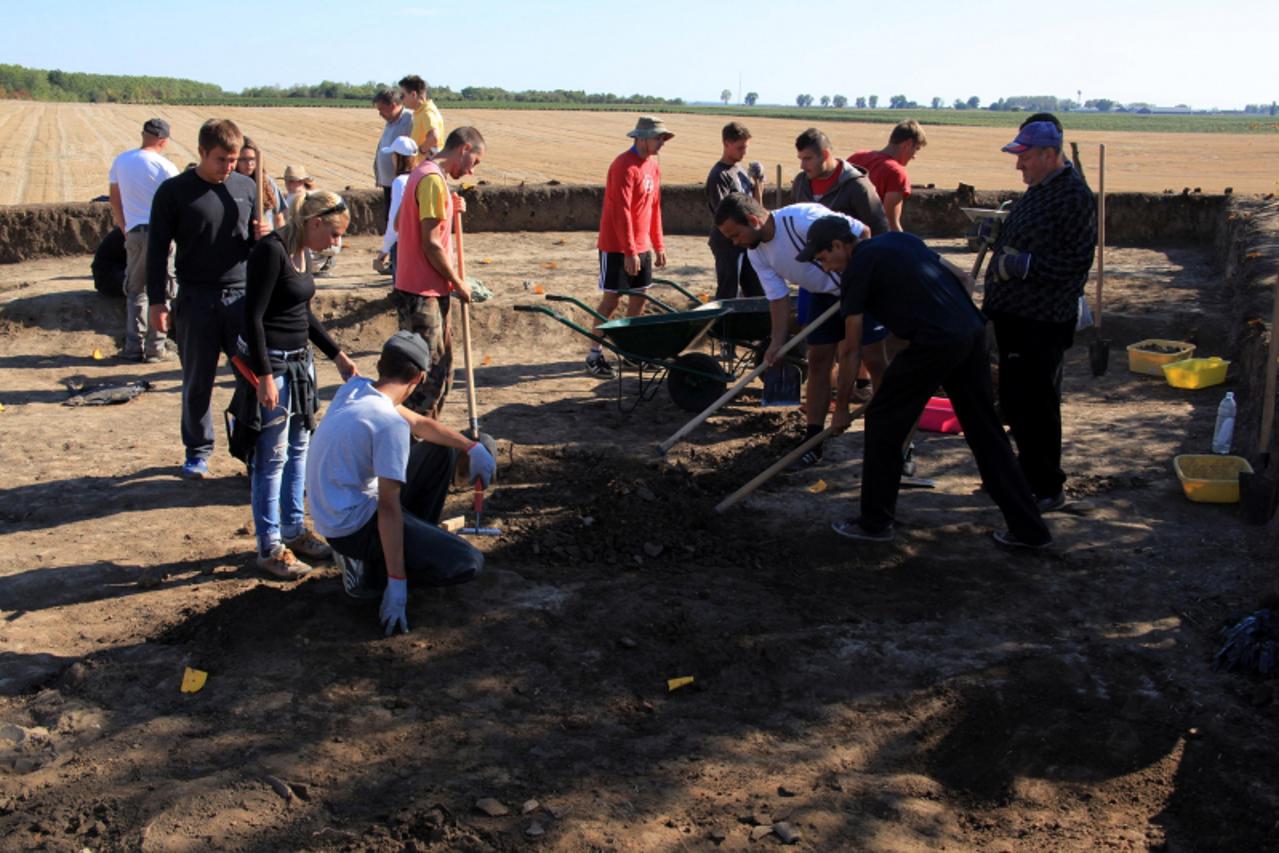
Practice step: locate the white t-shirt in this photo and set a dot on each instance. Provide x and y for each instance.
(397, 195)
(139, 174)
(360, 439)
(775, 262)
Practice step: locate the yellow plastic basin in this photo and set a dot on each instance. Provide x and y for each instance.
(1209, 478)
(1143, 357)
(1196, 372)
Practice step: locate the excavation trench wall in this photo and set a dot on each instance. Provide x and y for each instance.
(47, 230)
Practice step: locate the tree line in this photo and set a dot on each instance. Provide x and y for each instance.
(37, 84)
(1015, 103)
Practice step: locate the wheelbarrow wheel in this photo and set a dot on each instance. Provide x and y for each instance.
(690, 390)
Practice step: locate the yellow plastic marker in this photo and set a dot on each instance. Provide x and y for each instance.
(97, 355)
(488, 359)
(818, 487)
(1, 407)
(537, 288)
(193, 680)
(705, 297)
(673, 684)
(486, 260)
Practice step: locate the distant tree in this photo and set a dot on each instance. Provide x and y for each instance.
(726, 96)
(1103, 105)
(804, 100)
(873, 100)
(751, 98)
(960, 104)
(897, 102)
(861, 103)
(1274, 107)
(839, 101)
(1066, 105)
(825, 100)
(974, 102)
(936, 103)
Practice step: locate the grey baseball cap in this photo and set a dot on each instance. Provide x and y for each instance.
(156, 127)
(409, 346)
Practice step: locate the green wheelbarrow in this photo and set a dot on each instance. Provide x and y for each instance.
(653, 346)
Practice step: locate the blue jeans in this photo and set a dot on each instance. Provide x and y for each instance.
(279, 473)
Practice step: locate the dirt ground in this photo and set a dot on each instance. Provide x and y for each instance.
(933, 693)
(61, 152)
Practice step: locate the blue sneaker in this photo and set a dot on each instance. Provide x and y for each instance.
(195, 469)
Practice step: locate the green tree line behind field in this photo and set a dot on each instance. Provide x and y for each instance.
(39, 85)
(18, 82)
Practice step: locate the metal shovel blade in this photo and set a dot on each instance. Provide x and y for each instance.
(782, 384)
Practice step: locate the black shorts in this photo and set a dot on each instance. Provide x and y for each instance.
(613, 275)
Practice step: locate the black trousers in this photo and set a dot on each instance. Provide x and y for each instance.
(1030, 370)
(733, 270)
(962, 368)
(206, 323)
(386, 202)
(432, 555)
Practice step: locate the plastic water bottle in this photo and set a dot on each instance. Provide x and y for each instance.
(1224, 432)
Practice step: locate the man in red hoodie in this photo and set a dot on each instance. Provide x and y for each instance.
(630, 242)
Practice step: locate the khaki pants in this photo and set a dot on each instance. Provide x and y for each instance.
(137, 306)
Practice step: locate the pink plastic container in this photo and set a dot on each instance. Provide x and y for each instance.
(939, 416)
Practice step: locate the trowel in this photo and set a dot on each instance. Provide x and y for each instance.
(782, 383)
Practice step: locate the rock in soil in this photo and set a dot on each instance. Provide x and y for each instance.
(491, 807)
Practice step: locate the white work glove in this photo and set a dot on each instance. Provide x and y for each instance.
(482, 464)
(394, 599)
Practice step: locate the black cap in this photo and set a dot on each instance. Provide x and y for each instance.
(157, 127)
(822, 233)
(410, 347)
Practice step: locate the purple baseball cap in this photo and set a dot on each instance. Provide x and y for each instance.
(1037, 134)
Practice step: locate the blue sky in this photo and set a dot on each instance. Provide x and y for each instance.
(1162, 52)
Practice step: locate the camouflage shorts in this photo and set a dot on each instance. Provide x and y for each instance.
(428, 317)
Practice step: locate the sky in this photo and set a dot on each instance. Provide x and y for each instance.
(1164, 53)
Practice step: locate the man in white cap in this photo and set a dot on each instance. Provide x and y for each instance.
(134, 177)
(1041, 261)
(630, 242)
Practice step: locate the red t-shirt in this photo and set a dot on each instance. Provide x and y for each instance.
(631, 221)
(885, 173)
(821, 186)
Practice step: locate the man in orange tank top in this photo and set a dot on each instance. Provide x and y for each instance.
(425, 275)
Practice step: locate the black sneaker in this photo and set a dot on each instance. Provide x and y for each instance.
(852, 529)
(353, 578)
(810, 458)
(908, 461)
(1054, 504)
(1006, 539)
(597, 365)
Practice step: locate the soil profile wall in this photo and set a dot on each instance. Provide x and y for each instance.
(47, 230)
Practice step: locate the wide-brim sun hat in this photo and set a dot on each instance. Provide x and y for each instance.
(649, 127)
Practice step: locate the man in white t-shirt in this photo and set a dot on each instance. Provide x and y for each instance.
(377, 499)
(135, 176)
(772, 240)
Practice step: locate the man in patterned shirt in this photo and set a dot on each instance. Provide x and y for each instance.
(1042, 258)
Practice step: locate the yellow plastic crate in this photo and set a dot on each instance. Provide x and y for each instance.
(1209, 478)
(1196, 372)
(1142, 357)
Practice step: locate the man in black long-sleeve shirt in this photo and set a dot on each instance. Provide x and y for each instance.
(1041, 261)
(208, 212)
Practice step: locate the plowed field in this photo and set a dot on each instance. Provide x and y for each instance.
(61, 152)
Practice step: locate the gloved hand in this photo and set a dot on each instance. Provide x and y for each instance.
(382, 263)
(756, 171)
(988, 229)
(1012, 264)
(391, 615)
(482, 464)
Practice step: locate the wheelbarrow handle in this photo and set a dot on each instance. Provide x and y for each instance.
(555, 315)
(688, 294)
(551, 297)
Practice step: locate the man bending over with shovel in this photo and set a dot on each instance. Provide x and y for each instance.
(377, 501)
(773, 239)
(921, 300)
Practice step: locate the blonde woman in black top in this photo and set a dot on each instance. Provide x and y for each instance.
(279, 329)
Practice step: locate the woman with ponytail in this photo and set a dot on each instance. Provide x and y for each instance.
(279, 328)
